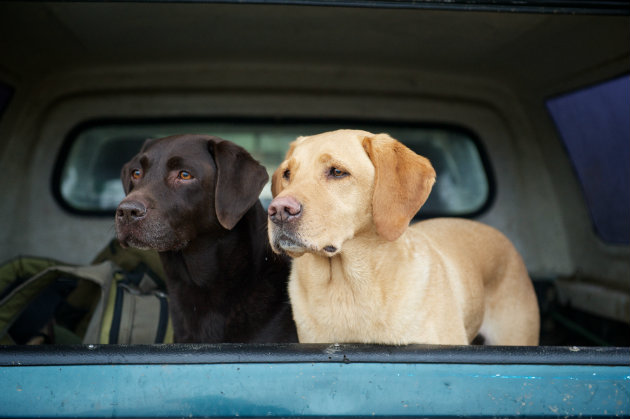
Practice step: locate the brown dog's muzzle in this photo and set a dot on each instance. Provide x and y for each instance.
(137, 225)
(130, 211)
(284, 209)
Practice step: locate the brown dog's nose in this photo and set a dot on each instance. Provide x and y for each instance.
(283, 209)
(131, 211)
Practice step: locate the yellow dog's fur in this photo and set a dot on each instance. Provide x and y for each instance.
(360, 274)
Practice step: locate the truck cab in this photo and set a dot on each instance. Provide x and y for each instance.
(523, 108)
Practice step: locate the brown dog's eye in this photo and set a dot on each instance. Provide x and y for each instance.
(286, 174)
(136, 174)
(337, 173)
(184, 175)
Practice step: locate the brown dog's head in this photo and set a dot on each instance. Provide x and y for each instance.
(181, 186)
(334, 186)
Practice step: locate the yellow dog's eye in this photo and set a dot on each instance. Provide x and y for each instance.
(184, 175)
(286, 174)
(337, 173)
(136, 174)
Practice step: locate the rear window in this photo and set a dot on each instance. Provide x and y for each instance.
(594, 124)
(87, 179)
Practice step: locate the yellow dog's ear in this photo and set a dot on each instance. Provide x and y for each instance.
(402, 183)
(276, 178)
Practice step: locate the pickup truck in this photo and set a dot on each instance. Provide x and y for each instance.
(522, 106)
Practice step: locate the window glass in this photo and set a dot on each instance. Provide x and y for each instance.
(594, 124)
(89, 179)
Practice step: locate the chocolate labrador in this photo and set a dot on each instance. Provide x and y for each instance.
(194, 199)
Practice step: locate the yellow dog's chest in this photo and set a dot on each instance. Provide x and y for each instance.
(333, 308)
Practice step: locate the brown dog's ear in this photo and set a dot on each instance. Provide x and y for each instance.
(276, 178)
(402, 183)
(240, 179)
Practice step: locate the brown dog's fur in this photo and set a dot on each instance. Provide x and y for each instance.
(360, 274)
(194, 199)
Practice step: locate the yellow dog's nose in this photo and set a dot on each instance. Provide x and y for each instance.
(284, 209)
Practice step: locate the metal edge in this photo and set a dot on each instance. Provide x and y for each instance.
(589, 7)
(228, 353)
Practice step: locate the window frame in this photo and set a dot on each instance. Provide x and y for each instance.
(76, 131)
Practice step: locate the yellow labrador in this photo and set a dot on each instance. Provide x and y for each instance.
(342, 207)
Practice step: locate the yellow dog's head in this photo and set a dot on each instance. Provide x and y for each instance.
(334, 186)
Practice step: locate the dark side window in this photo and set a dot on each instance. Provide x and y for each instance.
(594, 124)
